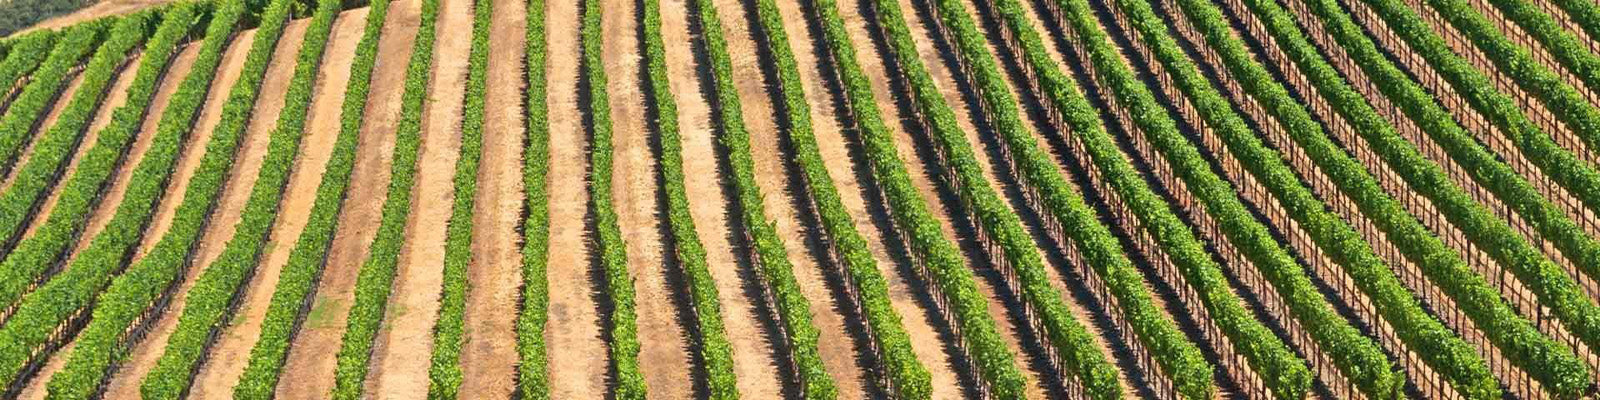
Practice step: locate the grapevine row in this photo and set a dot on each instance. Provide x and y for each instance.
(623, 331)
(375, 279)
(1441, 349)
(1512, 285)
(444, 373)
(297, 283)
(27, 334)
(532, 379)
(1452, 299)
(1568, 105)
(902, 374)
(24, 55)
(782, 290)
(716, 352)
(1347, 254)
(1560, 44)
(1584, 13)
(1279, 370)
(1516, 337)
(934, 254)
(45, 85)
(121, 314)
(1179, 366)
(1332, 340)
(217, 292)
(1573, 174)
(30, 262)
(1511, 333)
(1072, 348)
(1580, 116)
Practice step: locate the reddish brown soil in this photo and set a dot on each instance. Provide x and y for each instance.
(489, 358)
(310, 363)
(838, 344)
(232, 350)
(666, 356)
(756, 358)
(578, 357)
(252, 149)
(404, 346)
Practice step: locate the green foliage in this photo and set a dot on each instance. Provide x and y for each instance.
(1284, 373)
(297, 283)
(1549, 362)
(1070, 340)
(1580, 117)
(908, 378)
(23, 54)
(28, 264)
(716, 351)
(16, 15)
(216, 293)
(45, 84)
(1441, 349)
(793, 310)
(1179, 359)
(376, 276)
(104, 342)
(624, 329)
(1357, 357)
(1585, 13)
(532, 381)
(445, 372)
(30, 327)
(943, 262)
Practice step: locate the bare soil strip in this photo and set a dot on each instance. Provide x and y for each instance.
(51, 114)
(119, 184)
(308, 368)
(747, 321)
(253, 148)
(839, 346)
(666, 357)
(402, 354)
(489, 357)
(231, 352)
(578, 356)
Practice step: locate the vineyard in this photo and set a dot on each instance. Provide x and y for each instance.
(810, 199)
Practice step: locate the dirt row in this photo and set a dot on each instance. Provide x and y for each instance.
(232, 350)
(404, 346)
(667, 356)
(102, 117)
(573, 332)
(310, 357)
(489, 357)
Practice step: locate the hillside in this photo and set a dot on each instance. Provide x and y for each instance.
(1102, 199)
